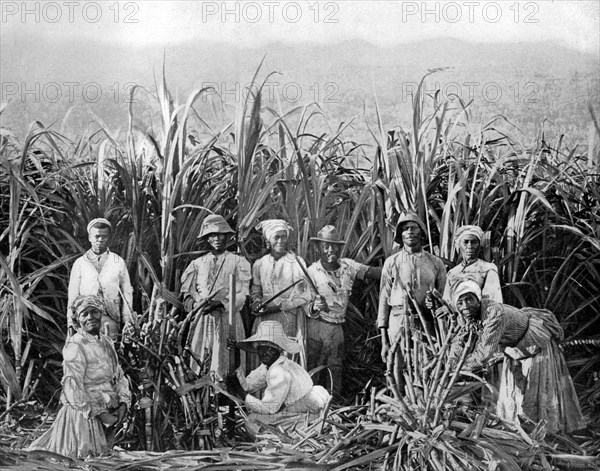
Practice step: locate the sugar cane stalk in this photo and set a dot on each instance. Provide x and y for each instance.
(232, 320)
(448, 387)
(437, 376)
(416, 307)
(392, 381)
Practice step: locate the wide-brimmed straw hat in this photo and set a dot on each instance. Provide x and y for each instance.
(328, 234)
(408, 216)
(271, 332)
(215, 223)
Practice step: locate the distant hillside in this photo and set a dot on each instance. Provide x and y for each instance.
(43, 78)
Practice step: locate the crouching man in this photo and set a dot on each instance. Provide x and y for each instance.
(287, 388)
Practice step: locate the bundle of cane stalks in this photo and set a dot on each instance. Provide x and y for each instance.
(435, 422)
(175, 391)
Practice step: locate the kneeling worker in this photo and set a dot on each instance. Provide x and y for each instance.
(288, 388)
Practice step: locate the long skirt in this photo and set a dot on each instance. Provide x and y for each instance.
(73, 435)
(209, 340)
(538, 384)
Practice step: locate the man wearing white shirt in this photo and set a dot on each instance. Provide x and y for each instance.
(100, 272)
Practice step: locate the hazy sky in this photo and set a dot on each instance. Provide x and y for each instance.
(255, 23)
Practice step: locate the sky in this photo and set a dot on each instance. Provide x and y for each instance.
(255, 23)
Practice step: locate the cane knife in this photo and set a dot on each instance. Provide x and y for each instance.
(276, 295)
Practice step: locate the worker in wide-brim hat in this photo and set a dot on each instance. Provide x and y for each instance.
(205, 291)
(333, 277)
(287, 387)
(100, 272)
(414, 269)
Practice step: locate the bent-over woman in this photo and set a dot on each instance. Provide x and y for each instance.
(535, 380)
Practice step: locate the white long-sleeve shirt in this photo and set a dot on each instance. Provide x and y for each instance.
(93, 380)
(284, 382)
(106, 276)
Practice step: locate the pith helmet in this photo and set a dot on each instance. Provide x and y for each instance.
(408, 216)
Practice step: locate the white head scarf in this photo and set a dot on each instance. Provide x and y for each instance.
(465, 231)
(467, 286)
(271, 226)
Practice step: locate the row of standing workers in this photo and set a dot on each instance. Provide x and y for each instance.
(301, 310)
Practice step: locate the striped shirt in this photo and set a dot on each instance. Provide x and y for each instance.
(503, 326)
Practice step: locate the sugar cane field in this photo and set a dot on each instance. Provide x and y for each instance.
(535, 196)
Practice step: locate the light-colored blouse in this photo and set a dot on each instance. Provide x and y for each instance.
(269, 276)
(485, 274)
(92, 380)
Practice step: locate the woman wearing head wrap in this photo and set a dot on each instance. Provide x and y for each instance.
(288, 388)
(468, 242)
(274, 272)
(95, 394)
(535, 379)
